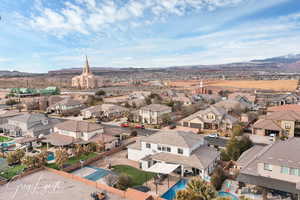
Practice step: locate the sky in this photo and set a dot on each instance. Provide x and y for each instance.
(43, 35)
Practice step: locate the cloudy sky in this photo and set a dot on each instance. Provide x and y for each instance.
(42, 35)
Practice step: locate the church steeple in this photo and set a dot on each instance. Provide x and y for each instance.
(86, 69)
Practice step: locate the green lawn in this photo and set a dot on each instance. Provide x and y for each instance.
(12, 171)
(139, 177)
(74, 160)
(4, 139)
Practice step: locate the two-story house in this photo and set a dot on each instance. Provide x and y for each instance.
(80, 132)
(275, 167)
(212, 118)
(279, 123)
(104, 110)
(65, 106)
(32, 124)
(187, 150)
(152, 114)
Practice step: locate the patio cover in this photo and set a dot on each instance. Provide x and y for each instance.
(162, 168)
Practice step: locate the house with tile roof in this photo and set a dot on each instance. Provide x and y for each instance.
(30, 124)
(275, 167)
(104, 110)
(279, 123)
(80, 132)
(67, 105)
(152, 114)
(212, 118)
(187, 151)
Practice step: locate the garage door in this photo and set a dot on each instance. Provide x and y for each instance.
(195, 125)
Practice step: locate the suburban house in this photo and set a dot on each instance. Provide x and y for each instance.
(5, 115)
(269, 98)
(280, 123)
(66, 105)
(232, 106)
(186, 151)
(80, 132)
(287, 107)
(32, 124)
(212, 118)
(275, 167)
(153, 113)
(104, 110)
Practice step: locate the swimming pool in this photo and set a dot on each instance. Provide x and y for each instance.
(180, 185)
(50, 156)
(229, 195)
(92, 173)
(171, 193)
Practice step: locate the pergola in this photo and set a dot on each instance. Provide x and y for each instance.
(163, 168)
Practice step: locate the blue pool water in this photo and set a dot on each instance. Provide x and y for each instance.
(171, 193)
(100, 173)
(50, 156)
(180, 185)
(227, 194)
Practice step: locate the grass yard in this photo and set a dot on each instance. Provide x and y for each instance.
(74, 160)
(139, 177)
(12, 171)
(4, 139)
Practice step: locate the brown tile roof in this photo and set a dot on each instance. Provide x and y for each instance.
(284, 115)
(57, 139)
(186, 139)
(201, 158)
(287, 107)
(267, 124)
(156, 107)
(78, 126)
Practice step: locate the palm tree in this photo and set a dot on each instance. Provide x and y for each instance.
(197, 189)
(61, 157)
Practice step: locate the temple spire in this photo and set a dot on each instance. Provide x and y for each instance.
(86, 69)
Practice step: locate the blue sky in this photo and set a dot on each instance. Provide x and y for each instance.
(42, 35)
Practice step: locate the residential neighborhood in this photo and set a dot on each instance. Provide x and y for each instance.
(149, 100)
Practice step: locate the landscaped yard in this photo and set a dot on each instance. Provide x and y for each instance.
(12, 171)
(74, 160)
(139, 177)
(4, 139)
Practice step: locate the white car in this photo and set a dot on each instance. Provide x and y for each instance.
(213, 135)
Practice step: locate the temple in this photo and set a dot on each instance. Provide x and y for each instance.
(86, 80)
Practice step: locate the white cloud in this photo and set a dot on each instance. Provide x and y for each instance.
(4, 59)
(85, 16)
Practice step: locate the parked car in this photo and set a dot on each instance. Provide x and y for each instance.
(140, 126)
(172, 126)
(213, 135)
(98, 121)
(124, 125)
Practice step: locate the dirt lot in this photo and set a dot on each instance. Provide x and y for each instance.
(277, 85)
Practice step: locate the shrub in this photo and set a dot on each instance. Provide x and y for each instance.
(15, 157)
(218, 177)
(124, 182)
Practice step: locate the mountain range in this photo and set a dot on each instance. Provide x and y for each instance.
(288, 63)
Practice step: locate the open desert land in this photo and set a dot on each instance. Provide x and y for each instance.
(277, 85)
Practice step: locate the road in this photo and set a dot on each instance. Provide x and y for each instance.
(117, 129)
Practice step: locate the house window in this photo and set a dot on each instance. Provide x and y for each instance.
(163, 148)
(294, 171)
(267, 167)
(159, 148)
(168, 149)
(148, 146)
(287, 126)
(180, 151)
(285, 170)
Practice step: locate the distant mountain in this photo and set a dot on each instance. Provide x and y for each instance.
(291, 58)
(6, 73)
